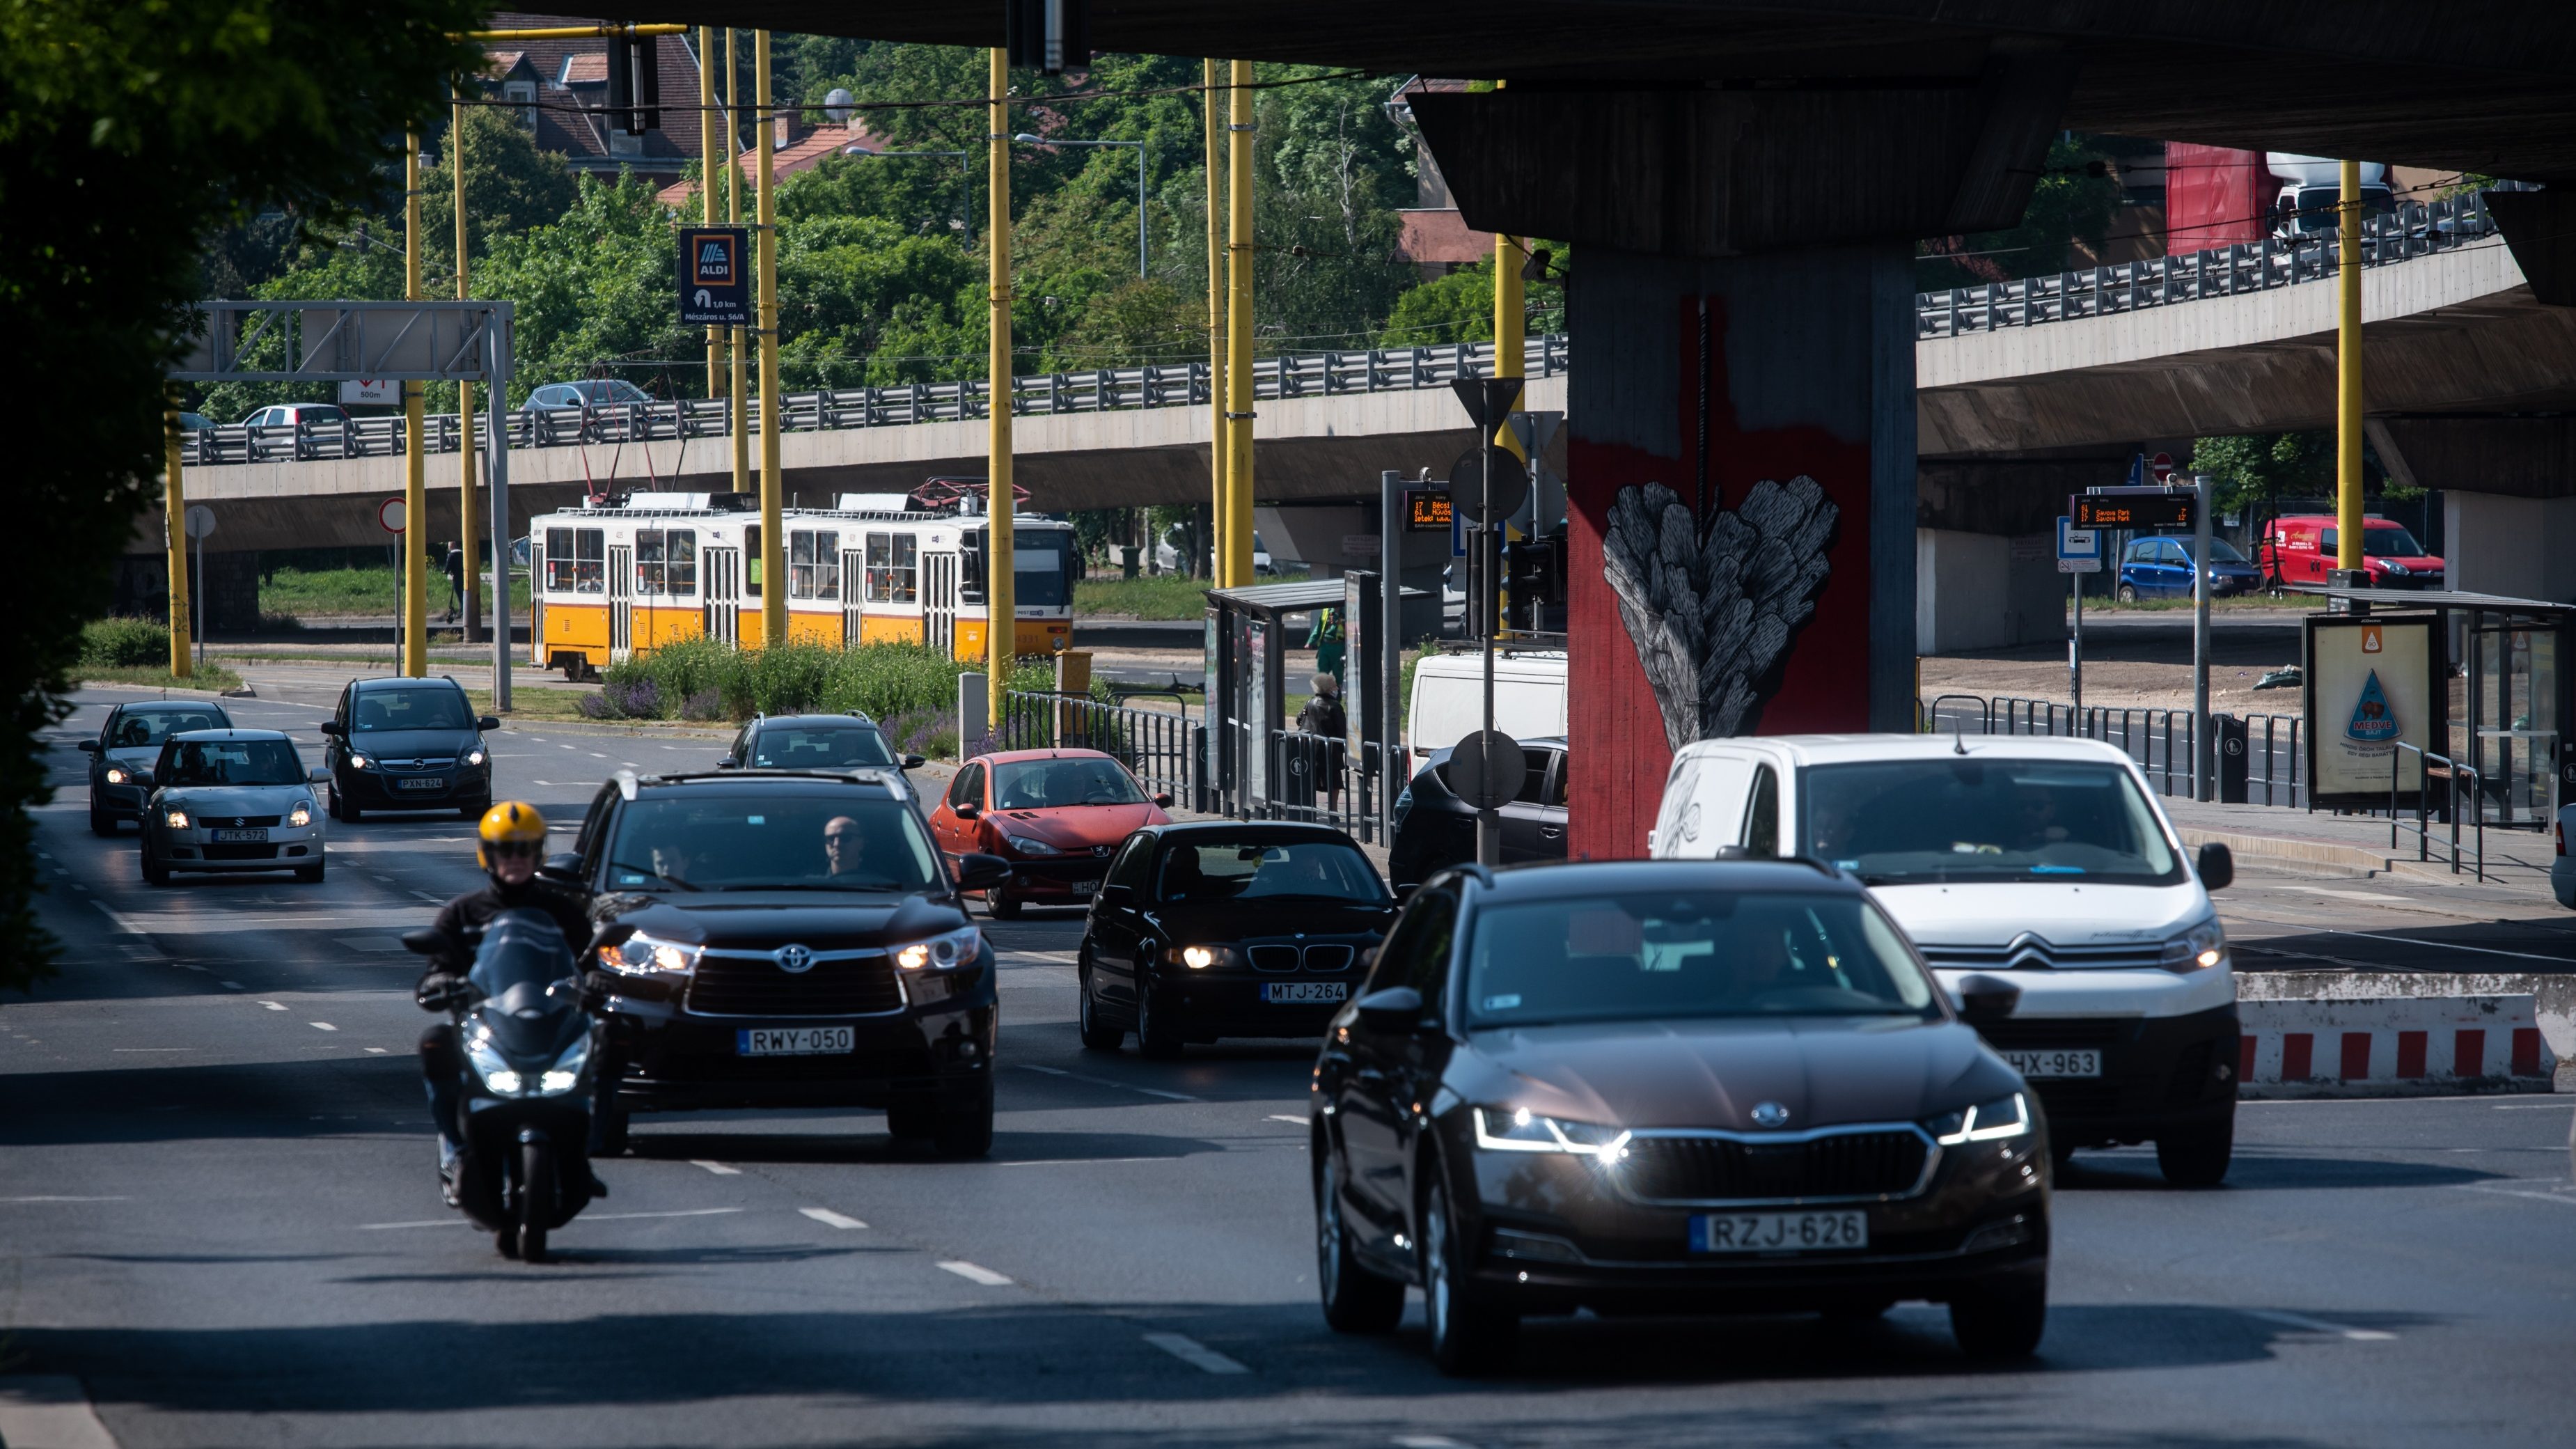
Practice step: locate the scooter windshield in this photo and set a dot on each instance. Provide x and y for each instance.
(521, 948)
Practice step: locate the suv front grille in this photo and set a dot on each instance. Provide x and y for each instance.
(739, 986)
(1883, 1163)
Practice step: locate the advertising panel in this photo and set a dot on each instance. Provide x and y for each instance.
(2373, 682)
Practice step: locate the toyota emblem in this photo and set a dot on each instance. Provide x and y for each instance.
(794, 960)
(1770, 1114)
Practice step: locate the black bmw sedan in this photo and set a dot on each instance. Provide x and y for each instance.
(1223, 928)
(1673, 1087)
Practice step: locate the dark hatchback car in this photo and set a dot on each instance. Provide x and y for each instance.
(786, 940)
(817, 742)
(129, 741)
(407, 744)
(1669, 1087)
(1435, 829)
(1225, 929)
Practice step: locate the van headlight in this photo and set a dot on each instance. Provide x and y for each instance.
(1517, 1129)
(642, 955)
(944, 952)
(2005, 1116)
(2197, 949)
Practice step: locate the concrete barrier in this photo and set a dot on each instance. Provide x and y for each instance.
(2387, 1034)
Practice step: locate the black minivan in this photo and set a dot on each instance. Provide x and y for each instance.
(407, 744)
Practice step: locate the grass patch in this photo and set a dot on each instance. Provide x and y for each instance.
(1164, 596)
(316, 592)
(210, 677)
(2308, 603)
(539, 705)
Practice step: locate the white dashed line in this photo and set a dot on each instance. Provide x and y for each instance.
(235, 986)
(120, 922)
(1050, 1071)
(2318, 1325)
(976, 1273)
(1159, 1092)
(1284, 1117)
(321, 1026)
(831, 1219)
(1194, 1353)
(718, 1168)
(1426, 1441)
(273, 1006)
(596, 755)
(1107, 1082)
(376, 1051)
(1079, 1161)
(62, 1199)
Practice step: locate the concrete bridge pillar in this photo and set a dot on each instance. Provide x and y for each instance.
(1741, 491)
(2508, 496)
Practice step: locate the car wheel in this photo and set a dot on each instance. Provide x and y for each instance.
(100, 822)
(154, 872)
(962, 1125)
(1097, 1035)
(2002, 1319)
(536, 1199)
(1467, 1336)
(1002, 907)
(1157, 1036)
(310, 874)
(1355, 1299)
(2198, 1157)
(2128, 593)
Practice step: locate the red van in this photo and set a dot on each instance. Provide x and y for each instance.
(2302, 548)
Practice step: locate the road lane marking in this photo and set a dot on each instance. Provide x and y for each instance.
(376, 1051)
(1105, 1082)
(1050, 1071)
(63, 1199)
(321, 1026)
(2536, 1107)
(2556, 1195)
(1284, 1117)
(1159, 1092)
(718, 1168)
(1427, 1441)
(190, 1049)
(2318, 1325)
(120, 922)
(50, 1411)
(1194, 1353)
(1082, 1161)
(273, 1005)
(2455, 946)
(233, 986)
(831, 1219)
(459, 1222)
(975, 1273)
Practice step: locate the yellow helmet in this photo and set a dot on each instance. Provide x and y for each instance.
(508, 822)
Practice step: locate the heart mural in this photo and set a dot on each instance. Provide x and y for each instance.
(1712, 614)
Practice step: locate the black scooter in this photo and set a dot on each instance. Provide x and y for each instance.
(524, 1085)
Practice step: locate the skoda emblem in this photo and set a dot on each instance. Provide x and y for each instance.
(1770, 1114)
(797, 960)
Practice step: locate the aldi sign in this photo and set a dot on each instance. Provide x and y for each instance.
(715, 275)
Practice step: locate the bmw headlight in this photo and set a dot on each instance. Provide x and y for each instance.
(1521, 1130)
(1030, 845)
(944, 952)
(2197, 949)
(492, 1067)
(2005, 1116)
(176, 819)
(565, 1074)
(642, 955)
(302, 814)
(115, 776)
(1200, 958)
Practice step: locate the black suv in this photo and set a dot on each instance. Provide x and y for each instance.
(407, 744)
(817, 742)
(787, 939)
(121, 758)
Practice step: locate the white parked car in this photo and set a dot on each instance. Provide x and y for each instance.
(1448, 700)
(2043, 861)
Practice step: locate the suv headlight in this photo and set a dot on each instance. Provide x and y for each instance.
(641, 955)
(1518, 1129)
(2197, 949)
(1030, 845)
(2005, 1116)
(944, 952)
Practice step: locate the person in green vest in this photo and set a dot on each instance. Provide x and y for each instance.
(1325, 638)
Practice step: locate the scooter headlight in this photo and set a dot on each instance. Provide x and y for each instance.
(565, 1074)
(495, 1070)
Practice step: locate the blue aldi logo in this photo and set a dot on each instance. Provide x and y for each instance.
(714, 277)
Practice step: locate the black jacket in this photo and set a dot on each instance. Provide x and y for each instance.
(1323, 715)
(461, 921)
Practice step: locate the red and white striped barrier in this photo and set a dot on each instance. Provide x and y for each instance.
(2380, 1046)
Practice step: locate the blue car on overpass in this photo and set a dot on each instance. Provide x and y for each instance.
(2160, 568)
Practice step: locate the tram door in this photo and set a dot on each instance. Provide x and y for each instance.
(621, 602)
(536, 592)
(939, 603)
(724, 593)
(854, 564)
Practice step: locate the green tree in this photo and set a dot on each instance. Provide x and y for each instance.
(511, 187)
(2068, 205)
(130, 135)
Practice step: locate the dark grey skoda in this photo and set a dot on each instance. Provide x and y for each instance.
(1673, 1087)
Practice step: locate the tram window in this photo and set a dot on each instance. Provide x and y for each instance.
(753, 560)
(813, 564)
(894, 568)
(576, 560)
(666, 561)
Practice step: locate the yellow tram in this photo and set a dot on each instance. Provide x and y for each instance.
(622, 579)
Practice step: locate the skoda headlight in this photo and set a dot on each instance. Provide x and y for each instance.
(302, 814)
(565, 1074)
(1518, 1129)
(492, 1067)
(2197, 949)
(2005, 1116)
(115, 776)
(641, 955)
(944, 952)
(1030, 845)
(1200, 958)
(176, 819)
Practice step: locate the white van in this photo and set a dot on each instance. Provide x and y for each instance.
(1449, 700)
(2046, 862)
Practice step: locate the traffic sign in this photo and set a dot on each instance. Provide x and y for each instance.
(370, 390)
(1467, 494)
(2079, 550)
(200, 520)
(2162, 465)
(1486, 769)
(715, 278)
(390, 515)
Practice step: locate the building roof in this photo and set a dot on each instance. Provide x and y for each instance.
(573, 75)
(1443, 236)
(804, 154)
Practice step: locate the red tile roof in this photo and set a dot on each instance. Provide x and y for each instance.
(805, 155)
(1443, 236)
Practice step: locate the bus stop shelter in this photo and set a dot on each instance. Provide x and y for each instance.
(1256, 767)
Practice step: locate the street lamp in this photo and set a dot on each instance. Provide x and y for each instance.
(1026, 139)
(965, 171)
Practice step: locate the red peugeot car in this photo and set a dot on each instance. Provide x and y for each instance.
(1055, 815)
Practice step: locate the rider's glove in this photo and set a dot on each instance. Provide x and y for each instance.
(438, 991)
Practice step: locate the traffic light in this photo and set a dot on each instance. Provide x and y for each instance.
(1536, 570)
(634, 84)
(1049, 36)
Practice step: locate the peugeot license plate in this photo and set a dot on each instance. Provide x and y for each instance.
(795, 1041)
(422, 782)
(1299, 993)
(1778, 1232)
(2055, 1062)
(239, 837)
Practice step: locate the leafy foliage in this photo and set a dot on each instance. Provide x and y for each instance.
(2069, 207)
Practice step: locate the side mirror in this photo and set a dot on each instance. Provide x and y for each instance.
(317, 776)
(2217, 866)
(1164, 799)
(87, 747)
(561, 867)
(915, 762)
(422, 942)
(979, 872)
(1985, 1000)
(728, 763)
(1396, 1011)
(1116, 895)
(332, 728)
(967, 811)
(488, 722)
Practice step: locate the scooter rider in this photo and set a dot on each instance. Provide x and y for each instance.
(512, 839)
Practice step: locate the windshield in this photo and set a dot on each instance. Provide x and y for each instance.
(2220, 550)
(822, 747)
(686, 840)
(521, 946)
(1985, 819)
(2389, 543)
(1694, 953)
(1041, 568)
(413, 709)
(1325, 870)
(139, 727)
(1047, 784)
(229, 762)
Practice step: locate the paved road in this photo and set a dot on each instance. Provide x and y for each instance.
(217, 1212)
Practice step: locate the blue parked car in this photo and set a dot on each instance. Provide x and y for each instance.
(2160, 568)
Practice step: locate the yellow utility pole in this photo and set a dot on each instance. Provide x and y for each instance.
(1238, 330)
(174, 514)
(2348, 374)
(415, 455)
(1221, 503)
(1001, 513)
(470, 568)
(740, 394)
(707, 121)
(773, 496)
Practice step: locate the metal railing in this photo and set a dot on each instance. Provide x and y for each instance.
(1159, 747)
(1315, 779)
(1180, 384)
(2160, 740)
(2452, 774)
(2410, 230)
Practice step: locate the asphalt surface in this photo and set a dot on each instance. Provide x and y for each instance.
(218, 1213)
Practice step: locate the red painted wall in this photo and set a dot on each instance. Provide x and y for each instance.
(2215, 195)
(1613, 725)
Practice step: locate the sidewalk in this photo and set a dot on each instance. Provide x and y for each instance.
(2516, 860)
